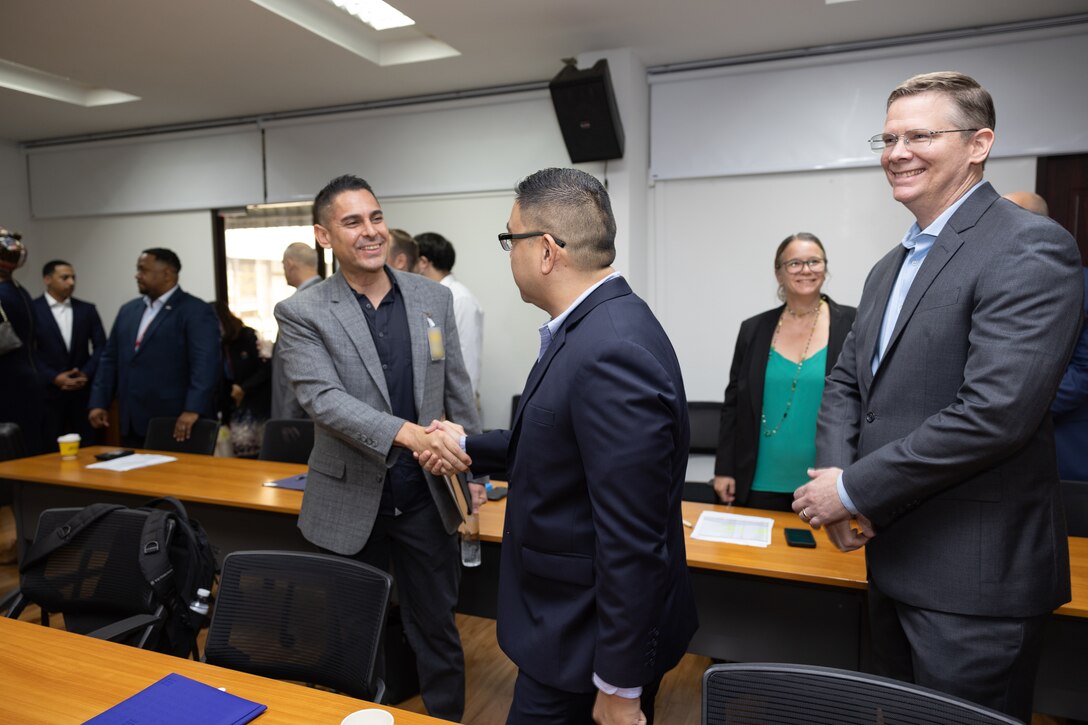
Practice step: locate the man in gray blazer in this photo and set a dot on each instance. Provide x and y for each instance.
(300, 271)
(934, 433)
(370, 352)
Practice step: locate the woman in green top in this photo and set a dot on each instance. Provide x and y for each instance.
(767, 438)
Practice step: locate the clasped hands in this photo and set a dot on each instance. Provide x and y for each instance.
(818, 505)
(438, 449)
(69, 380)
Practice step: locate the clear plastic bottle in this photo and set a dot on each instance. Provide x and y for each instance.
(200, 605)
(470, 542)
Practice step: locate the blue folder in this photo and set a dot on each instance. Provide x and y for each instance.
(177, 700)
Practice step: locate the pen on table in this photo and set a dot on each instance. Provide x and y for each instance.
(687, 523)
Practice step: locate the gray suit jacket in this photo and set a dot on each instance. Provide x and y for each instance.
(330, 359)
(949, 447)
(284, 402)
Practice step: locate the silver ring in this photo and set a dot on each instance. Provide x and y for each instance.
(804, 514)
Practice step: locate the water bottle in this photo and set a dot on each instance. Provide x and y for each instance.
(200, 604)
(470, 542)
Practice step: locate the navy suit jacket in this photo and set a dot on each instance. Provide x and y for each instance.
(594, 576)
(88, 340)
(175, 369)
(1070, 409)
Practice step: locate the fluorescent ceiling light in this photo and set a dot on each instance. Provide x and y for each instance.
(58, 88)
(385, 47)
(375, 13)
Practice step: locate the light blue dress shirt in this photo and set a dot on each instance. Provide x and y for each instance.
(918, 243)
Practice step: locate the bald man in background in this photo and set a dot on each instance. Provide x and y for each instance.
(1070, 406)
(300, 271)
(1029, 200)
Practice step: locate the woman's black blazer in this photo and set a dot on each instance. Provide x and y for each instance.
(738, 436)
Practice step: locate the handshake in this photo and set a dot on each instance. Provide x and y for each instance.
(438, 449)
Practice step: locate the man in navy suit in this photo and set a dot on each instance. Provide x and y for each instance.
(162, 357)
(70, 341)
(595, 604)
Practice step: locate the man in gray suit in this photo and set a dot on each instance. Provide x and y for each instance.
(300, 271)
(370, 352)
(934, 433)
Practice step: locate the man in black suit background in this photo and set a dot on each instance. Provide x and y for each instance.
(70, 340)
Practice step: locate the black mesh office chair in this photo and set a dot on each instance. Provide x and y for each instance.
(753, 694)
(312, 618)
(704, 418)
(95, 580)
(160, 436)
(287, 440)
(1075, 498)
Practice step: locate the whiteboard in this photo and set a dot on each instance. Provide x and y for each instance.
(817, 113)
(165, 172)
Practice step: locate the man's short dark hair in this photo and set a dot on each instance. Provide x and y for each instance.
(574, 206)
(333, 189)
(438, 250)
(166, 256)
(48, 267)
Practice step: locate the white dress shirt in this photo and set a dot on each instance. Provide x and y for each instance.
(62, 313)
(151, 310)
(470, 328)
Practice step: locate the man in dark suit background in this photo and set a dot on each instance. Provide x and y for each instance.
(70, 341)
(595, 604)
(371, 353)
(162, 356)
(934, 431)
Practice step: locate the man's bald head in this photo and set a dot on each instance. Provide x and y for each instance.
(299, 263)
(1029, 200)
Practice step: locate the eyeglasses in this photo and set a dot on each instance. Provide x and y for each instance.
(920, 136)
(794, 266)
(506, 238)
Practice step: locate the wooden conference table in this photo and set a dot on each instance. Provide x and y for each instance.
(755, 604)
(51, 677)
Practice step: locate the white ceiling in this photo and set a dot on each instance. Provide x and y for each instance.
(199, 60)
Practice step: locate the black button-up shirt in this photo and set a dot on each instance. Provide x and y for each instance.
(405, 487)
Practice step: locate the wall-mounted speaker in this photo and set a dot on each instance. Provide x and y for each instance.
(585, 107)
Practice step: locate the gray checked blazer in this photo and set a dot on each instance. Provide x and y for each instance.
(949, 447)
(330, 359)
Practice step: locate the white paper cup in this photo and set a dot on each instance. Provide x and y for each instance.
(371, 716)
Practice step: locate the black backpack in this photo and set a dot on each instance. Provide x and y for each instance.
(175, 557)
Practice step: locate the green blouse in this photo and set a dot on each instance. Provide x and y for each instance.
(784, 457)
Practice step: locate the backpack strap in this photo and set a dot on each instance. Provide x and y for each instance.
(156, 566)
(46, 542)
(176, 507)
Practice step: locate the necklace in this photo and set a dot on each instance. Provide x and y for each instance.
(802, 314)
(767, 433)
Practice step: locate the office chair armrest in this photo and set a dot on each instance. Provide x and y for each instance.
(126, 626)
(13, 603)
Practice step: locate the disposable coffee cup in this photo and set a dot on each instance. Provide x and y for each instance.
(371, 716)
(69, 446)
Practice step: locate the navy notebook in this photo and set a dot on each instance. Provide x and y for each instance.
(297, 483)
(177, 700)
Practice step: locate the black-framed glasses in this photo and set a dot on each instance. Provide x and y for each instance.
(794, 266)
(506, 238)
(920, 136)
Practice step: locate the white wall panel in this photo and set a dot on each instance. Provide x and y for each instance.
(164, 172)
(811, 114)
(474, 145)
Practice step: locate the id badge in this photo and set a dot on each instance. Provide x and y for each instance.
(437, 344)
